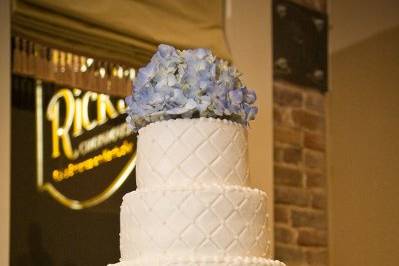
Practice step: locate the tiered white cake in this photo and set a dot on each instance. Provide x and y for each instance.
(192, 206)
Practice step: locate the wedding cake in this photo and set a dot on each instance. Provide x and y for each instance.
(192, 206)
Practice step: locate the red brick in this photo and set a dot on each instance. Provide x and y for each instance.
(289, 155)
(291, 255)
(315, 179)
(281, 214)
(277, 116)
(278, 154)
(291, 196)
(288, 176)
(319, 200)
(311, 237)
(317, 257)
(315, 102)
(309, 218)
(287, 135)
(308, 120)
(285, 118)
(315, 141)
(284, 234)
(286, 97)
(315, 160)
(292, 155)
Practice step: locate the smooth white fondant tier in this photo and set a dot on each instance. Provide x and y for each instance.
(197, 221)
(201, 261)
(190, 152)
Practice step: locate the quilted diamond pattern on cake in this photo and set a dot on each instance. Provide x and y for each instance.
(221, 138)
(195, 151)
(223, 208)
(207, 153)
(193, 237)
(200, 261)
(234, 224)
(166, 139)
(192, 137)
(192, 207)
(223, 238)
(179, 126)
(192, 167)
(207, 221)
(178, 153)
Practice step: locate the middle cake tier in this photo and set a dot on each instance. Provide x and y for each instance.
(204, 220)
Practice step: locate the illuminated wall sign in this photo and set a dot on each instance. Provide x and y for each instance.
(85, 151)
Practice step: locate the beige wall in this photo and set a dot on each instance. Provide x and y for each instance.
(5, 130)
(356, 20)
(364, 152)
(249, 37)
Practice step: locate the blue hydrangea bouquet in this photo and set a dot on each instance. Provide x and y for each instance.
(188, 84)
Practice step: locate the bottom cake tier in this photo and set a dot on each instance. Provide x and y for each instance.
(203, 261)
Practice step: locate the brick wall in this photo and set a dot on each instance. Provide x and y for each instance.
(300, 171)
(299, 175)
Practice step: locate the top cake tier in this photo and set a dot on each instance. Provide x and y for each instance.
(191, 152)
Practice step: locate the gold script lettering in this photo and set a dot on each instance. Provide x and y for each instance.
(87, 97)
(77, 117)
(61, 132)
(104, 108)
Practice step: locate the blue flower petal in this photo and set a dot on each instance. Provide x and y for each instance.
(181, 83)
